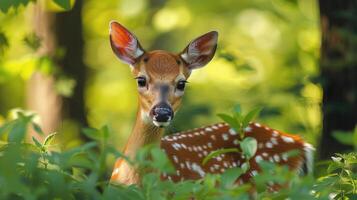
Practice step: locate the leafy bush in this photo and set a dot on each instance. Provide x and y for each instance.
(37, 171)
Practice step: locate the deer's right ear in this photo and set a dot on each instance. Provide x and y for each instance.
(124, 44)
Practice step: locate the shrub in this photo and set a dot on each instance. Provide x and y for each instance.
(35, 171)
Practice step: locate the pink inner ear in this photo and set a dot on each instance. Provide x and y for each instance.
(124, 43)
(200, 51)
(205, 43)
(121, 37)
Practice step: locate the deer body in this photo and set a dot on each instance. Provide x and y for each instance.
(187, 150)
(161, 77)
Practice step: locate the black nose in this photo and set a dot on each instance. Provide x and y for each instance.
(162, 112)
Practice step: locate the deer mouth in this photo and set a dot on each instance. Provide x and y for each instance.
(161, 124)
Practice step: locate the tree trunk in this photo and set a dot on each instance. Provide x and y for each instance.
(69, 37)
(41, 96)
(338, 72)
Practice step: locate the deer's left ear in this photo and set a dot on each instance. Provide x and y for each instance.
(201, 50)
(124, 44)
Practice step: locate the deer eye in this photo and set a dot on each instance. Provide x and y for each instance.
(181, 85)
(141, 81)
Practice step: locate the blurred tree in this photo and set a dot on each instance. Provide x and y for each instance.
(338, 71)
(70, 38)
(61, 91)
(42, 96)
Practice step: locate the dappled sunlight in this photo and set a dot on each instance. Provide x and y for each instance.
(169, 18)
(259, 26)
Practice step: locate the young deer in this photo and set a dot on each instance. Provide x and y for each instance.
(161, 77)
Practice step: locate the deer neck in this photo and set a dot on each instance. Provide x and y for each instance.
(143, 133)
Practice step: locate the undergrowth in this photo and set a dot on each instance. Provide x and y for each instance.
(34, 170)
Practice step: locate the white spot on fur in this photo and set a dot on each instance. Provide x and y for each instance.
(274, 141)
(198, 169)
(269, 145)
(232, 132)
(277, 158)
(213, 137)
(287, 139)
(275, 133)
(236, 142)
(248, 129)
(175, 159)
(225, 136)
(208, 129)
(258, 158)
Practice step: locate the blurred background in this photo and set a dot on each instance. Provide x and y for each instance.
(56, 60)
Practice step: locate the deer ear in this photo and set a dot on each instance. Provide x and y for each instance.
(124, 44)
(201, 50)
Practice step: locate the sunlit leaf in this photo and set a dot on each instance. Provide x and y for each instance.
(230, 120)
(65, 4)
(250, 116)
(49, 139)
(5, 5)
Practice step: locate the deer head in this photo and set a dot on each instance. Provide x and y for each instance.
(161, 76)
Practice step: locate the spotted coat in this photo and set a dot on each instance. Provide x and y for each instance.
(186, 150)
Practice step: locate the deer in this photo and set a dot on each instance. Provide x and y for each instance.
(161, 78)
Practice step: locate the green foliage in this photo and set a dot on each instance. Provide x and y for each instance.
(36, 171)
(32, 41)
(3, 43)
(238, 122)
(65, 4)
(5, 5)
(347, 137)
(341, 180)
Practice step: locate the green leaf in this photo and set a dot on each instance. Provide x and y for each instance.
(230, 120)
(37, 143)
(18, 131)
(344, 137)
(219, 152)
(160, 160)
(37, 128)
(230, 176)
(4, 43)
(250, 116)
(237, 113)
(65, 4)
(32, 41)
(249, 146)
(49, 139)
(105, 132)
(245, 167)
(334, 166)
(5, 5)
(92, 133)
(6, 127)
